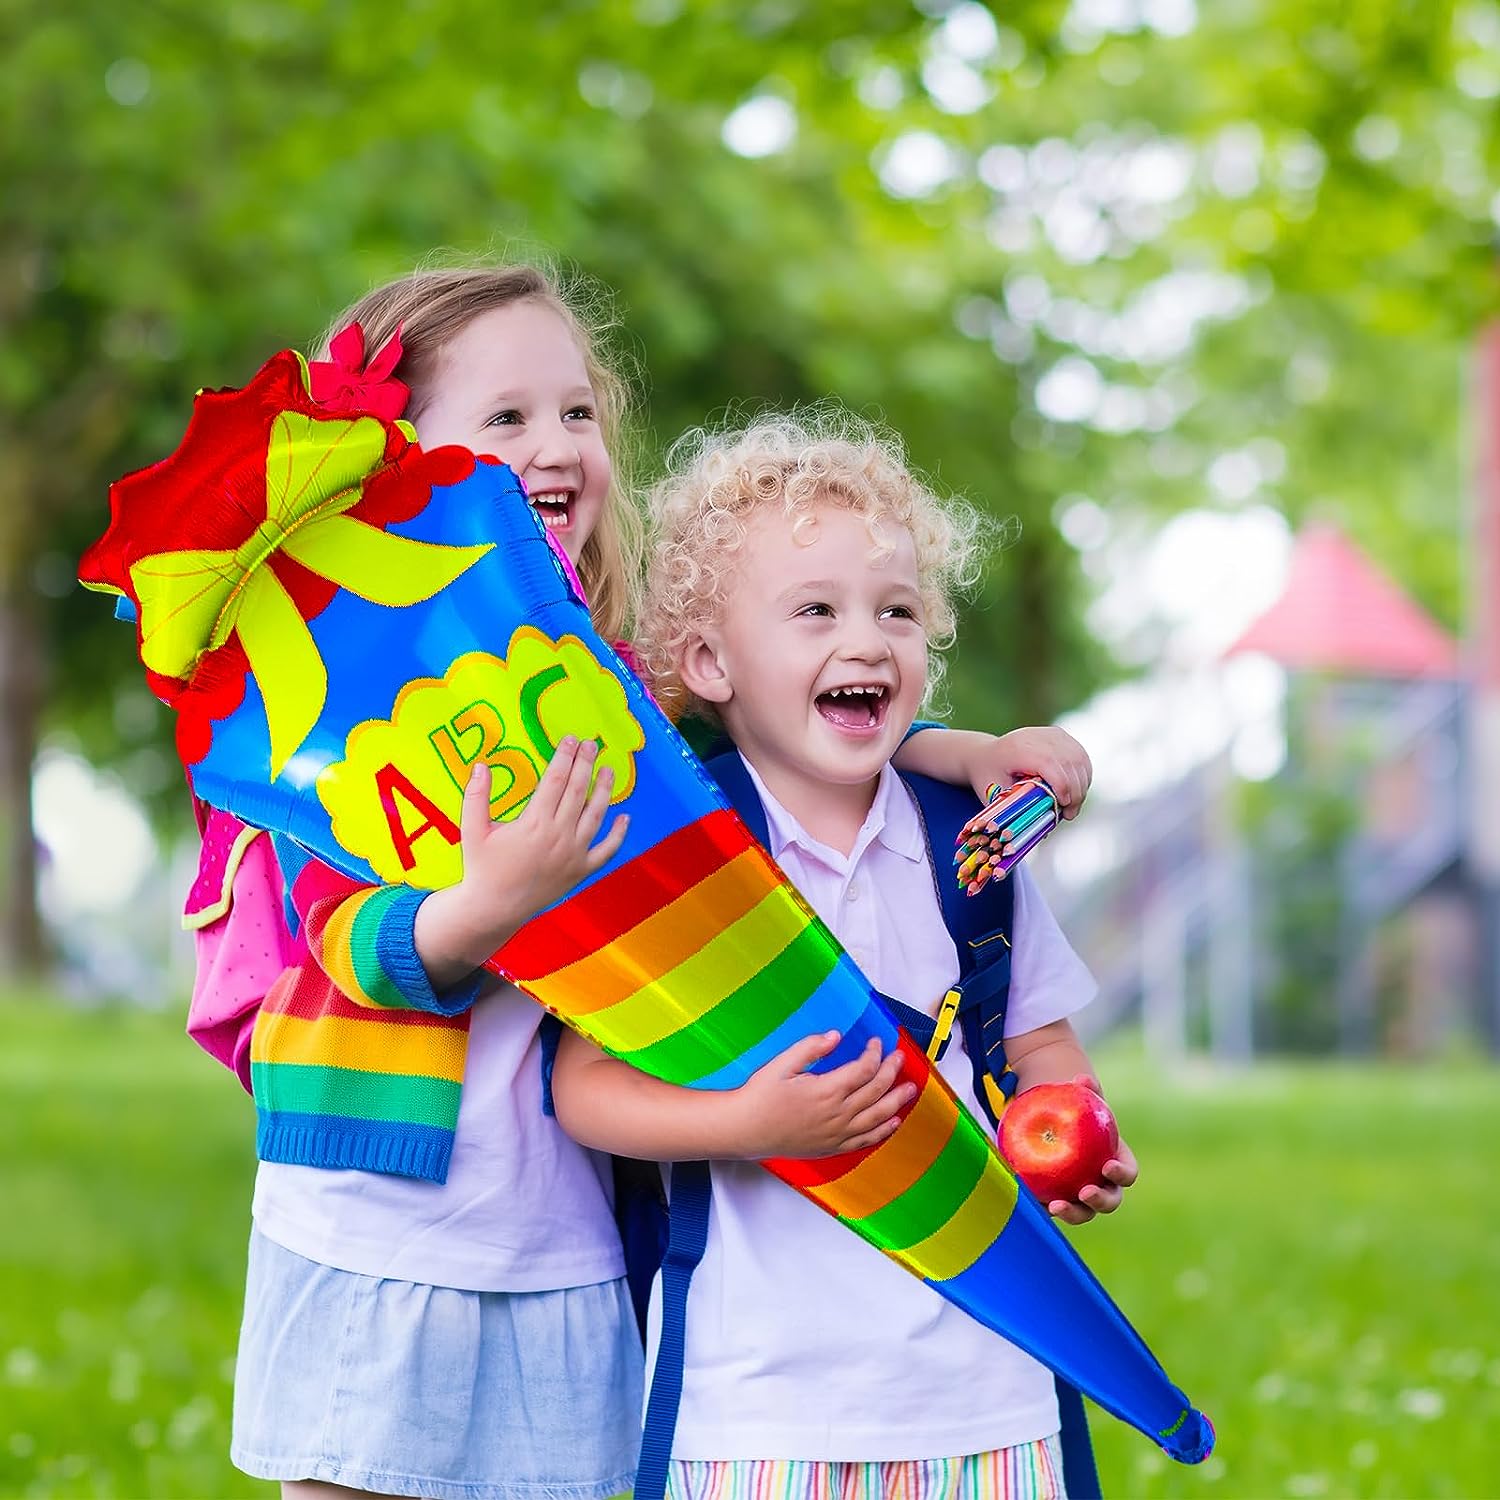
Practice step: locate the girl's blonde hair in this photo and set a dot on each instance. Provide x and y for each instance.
(716, 482)
(432, 307)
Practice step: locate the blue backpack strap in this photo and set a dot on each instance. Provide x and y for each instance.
(642, 1217)
(640, 1208)
(980, 928)
(549, 1034)
(1080, 1472)
(688, 1235)
(733, 779)
(917, 1024)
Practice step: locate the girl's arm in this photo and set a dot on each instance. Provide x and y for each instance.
(361, 937)
(1053, 1054)
(782, 1110)
(417, 950)
(966, 757)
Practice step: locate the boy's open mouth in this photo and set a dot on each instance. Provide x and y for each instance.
(555, 507)
(854, 707)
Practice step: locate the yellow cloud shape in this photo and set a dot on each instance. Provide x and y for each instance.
(396, 797)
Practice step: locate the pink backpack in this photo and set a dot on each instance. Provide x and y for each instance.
(236, 912)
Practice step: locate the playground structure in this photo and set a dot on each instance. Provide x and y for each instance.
(1174, 931)
(1406, 721)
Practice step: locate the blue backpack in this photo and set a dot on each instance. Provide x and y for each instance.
(669, 1236)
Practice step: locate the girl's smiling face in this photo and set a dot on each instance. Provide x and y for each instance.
(514, 385)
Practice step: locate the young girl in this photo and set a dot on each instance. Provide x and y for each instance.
(800, 579)
(435, 1304)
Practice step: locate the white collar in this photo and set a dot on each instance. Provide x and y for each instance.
(892, 821)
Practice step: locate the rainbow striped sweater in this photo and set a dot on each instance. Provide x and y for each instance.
(355, 1060)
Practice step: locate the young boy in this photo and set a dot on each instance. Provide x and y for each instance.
(800, 579)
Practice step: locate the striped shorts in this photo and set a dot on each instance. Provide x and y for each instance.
(1029, 1471)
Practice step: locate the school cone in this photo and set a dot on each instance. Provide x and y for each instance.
(344, 625)
(697, 962)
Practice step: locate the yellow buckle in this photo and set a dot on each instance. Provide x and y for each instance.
(942, 1023)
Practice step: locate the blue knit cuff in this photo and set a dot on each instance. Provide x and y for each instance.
(396, 952)
(335, 1143)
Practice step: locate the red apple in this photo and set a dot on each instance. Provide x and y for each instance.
(1057, 1137)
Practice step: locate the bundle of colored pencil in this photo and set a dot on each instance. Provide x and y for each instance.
(1013, 822)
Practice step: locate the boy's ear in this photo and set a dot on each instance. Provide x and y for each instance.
(703, 673)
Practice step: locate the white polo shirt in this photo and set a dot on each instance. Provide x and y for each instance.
(803, 1342)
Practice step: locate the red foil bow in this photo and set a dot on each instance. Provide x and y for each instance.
(345, 383)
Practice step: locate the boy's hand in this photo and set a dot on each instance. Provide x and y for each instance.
(1098, 1198)
(1120, 1171)
(513, 870)
(791, 1112)
(1045, 751)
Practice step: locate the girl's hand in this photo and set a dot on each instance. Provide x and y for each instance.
(514, 870)
(787, 1111)
(1045, 751)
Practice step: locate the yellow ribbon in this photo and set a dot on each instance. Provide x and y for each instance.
(191, 602)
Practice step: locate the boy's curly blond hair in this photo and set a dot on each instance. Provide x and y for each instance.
(716, 481)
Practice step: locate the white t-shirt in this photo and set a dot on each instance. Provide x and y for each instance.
(524, 1209)
(803, 1342)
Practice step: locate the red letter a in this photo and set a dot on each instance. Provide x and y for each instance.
(388, 782)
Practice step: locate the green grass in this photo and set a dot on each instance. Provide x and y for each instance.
(1313, 1253)
(126, 1160)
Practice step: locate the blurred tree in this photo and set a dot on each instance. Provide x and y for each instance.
(1088, 252)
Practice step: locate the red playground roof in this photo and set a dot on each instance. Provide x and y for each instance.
(1339, 613)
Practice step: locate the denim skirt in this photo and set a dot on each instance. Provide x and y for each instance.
(421, 1390)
